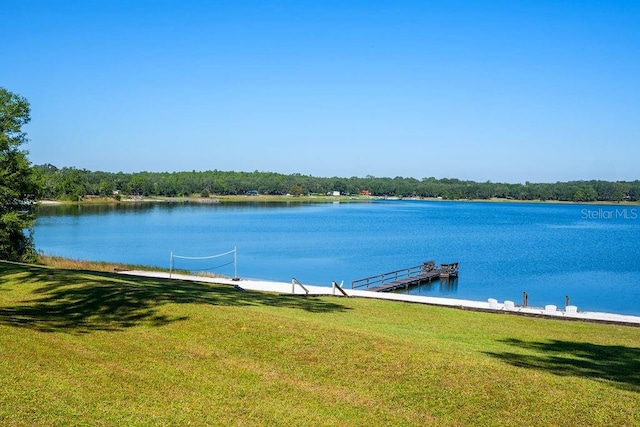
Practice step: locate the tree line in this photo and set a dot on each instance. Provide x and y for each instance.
(74, 184)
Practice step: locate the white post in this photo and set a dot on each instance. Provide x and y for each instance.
(235, 262)
(170, 264)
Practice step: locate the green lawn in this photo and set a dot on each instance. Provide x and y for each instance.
(90, 348)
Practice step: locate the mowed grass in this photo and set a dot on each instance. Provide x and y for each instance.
(79, 347)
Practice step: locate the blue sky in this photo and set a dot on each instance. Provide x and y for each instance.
(510, 91)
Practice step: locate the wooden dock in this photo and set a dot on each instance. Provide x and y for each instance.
(449, 270)
(406, 277)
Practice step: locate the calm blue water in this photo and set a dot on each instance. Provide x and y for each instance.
(548, 250)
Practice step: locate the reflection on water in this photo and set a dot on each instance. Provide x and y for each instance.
(64, 209)
(443, 287)
(74, 209)
(449, 286)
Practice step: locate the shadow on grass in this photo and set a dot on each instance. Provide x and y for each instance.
(84, 301)
(617, 365)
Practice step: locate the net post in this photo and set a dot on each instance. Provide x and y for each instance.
(235, 263)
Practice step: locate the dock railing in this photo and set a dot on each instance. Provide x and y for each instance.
(394, 276)
(295, 282)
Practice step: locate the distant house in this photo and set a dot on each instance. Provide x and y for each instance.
(335, 193)
(365, 192)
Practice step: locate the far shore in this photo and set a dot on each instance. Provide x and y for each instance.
(263, 198)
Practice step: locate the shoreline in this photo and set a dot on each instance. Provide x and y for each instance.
(491, 306)
(313, 199)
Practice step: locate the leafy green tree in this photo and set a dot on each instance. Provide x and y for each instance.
(71, 185)
(296, 190)
(17, 185)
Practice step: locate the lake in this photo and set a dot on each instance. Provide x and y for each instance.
(588, 252)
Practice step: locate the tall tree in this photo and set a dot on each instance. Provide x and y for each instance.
(17, 186)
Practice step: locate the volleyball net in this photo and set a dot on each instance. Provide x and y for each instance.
(222, 263)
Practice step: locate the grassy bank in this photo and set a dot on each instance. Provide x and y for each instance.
(103, 266)
(79, 347)
(74, 264)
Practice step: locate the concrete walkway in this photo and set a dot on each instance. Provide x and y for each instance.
(550, 311)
